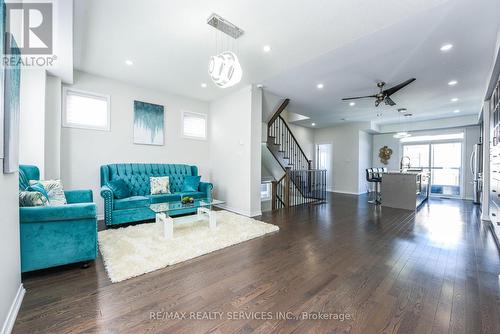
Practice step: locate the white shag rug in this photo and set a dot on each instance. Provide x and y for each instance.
(135, 250)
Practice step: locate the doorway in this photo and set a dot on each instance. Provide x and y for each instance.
(444, 162)
(324, 161)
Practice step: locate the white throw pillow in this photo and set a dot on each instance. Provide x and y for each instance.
(54, 191)
(160, 185)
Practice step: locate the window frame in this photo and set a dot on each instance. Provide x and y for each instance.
(84, 93)
(203, 115)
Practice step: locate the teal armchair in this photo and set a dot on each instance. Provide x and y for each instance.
(57, 235)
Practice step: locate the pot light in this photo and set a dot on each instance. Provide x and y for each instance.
(320, 86)
(455, 99)
(452, 83)
(266, 48)
(129, 62)
(379, 115)
(352, 104)
(203, 85)
(456, 111)
(402, 110)
(446, 47)
(313, 124)
(343, 119)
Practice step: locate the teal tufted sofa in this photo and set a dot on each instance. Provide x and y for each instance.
(136, 207)
(57, 235)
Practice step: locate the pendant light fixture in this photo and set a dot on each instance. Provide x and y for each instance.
(224, 68)
(404, 133)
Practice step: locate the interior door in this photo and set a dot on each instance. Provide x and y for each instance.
(324, 161)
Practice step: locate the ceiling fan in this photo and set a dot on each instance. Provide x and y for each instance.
(384, 95)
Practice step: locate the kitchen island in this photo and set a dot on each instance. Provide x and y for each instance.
(404, 190)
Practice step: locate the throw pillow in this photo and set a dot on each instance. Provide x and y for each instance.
(39, 188)
(191, 183)
(119, 188)
(32, 198)
(54, 191)
(159, 185)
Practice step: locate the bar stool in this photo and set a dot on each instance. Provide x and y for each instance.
(374, 175)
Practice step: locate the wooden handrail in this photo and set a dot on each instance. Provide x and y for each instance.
(280, 109)
(296, 142)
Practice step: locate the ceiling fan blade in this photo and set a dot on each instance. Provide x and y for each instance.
(358, 97)
(388, 101)
(394, 89)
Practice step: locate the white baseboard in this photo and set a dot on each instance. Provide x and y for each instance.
(14, 309)
(347, 192)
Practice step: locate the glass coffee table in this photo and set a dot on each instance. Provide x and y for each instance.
(203, 208)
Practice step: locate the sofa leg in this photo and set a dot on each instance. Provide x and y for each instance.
(85, 265)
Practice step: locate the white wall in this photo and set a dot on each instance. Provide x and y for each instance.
(11, 290)
(32, 118)
(471, 137)
(84, 151)
(53, 128)
(365, 159)
(345, 139)
(235, 146)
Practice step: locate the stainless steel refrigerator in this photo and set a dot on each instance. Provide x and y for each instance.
(476, 168)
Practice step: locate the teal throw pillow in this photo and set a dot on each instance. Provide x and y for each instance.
(191, 183)
(119, 188)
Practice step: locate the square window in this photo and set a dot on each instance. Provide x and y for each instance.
(194, 125)
(85, 110)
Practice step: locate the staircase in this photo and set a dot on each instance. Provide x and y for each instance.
(300, 184)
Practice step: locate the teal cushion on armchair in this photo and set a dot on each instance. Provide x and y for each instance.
(191, 183)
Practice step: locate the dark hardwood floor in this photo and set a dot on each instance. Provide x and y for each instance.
(390, 270)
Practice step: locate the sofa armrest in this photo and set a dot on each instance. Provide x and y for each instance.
(206, 187)
(78, 196)
(37, 214)
(107, 195)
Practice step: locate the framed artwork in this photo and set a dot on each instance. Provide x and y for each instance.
(148, 124)
(12, 86)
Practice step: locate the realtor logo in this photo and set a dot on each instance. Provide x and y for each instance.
(30, 25)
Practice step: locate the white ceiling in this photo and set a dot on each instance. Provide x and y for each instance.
(347, 45)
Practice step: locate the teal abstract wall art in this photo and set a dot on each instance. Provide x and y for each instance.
(148, 123)
(12, 91)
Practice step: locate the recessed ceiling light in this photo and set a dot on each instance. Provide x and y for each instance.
(260, 86)
(343, 119)
(352, 104)
(320, 86)
(266, 48)
(452, 83)
(379, 115)
(203, 85)
(455, 99)
(446, 47)
(408, 115)
(313, 124)
(402, 110)
(456, 111)
(129, 62)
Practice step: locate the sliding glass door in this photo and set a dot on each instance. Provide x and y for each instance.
(444, 162)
